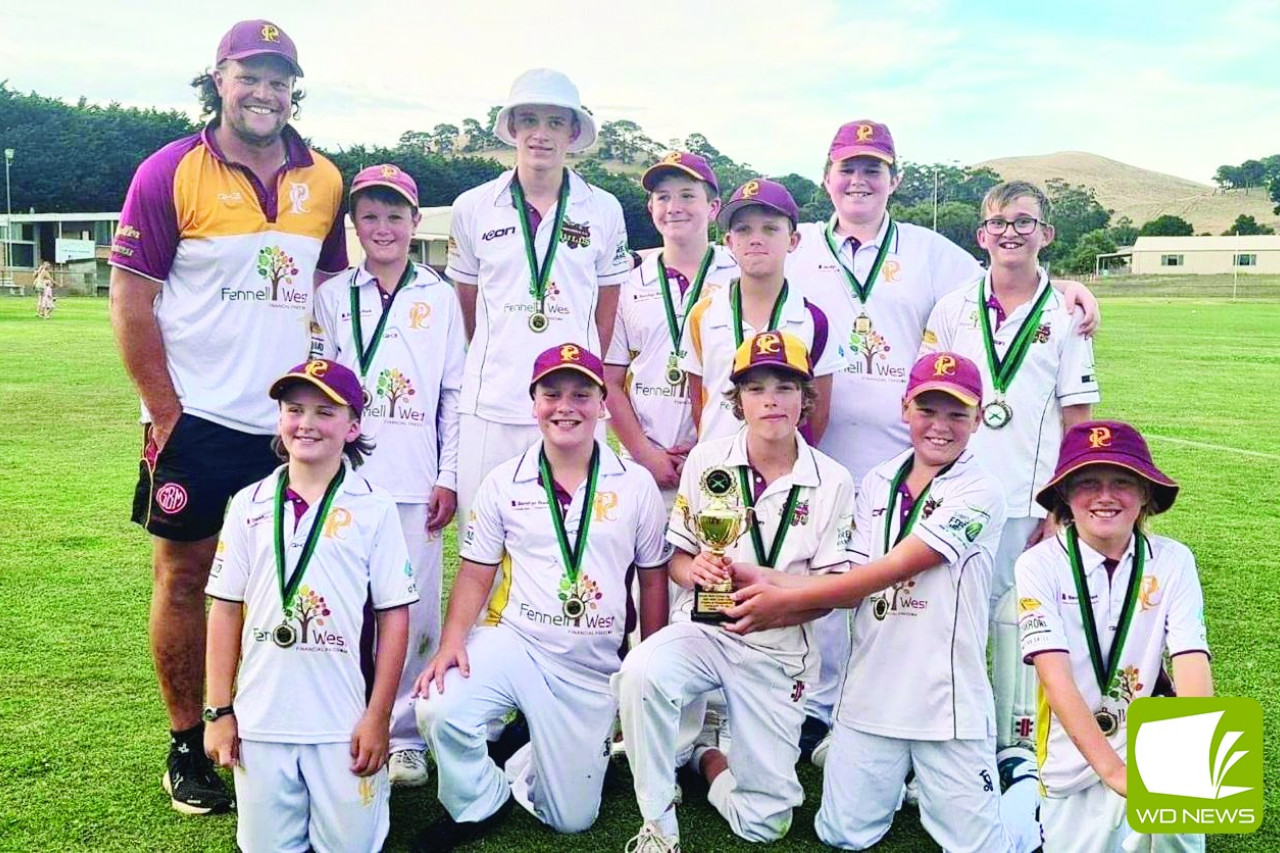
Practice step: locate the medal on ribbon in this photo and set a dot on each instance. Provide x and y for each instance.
(998, 413)
(571, 556)
(768, 558)
(540, 274)
(676, 329)
(285, 635)
(1104, 671)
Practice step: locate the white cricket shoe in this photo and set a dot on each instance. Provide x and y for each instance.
(819, 757)
(651, 840)
(408, 768)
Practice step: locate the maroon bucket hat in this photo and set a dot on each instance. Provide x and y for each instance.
(1108, 443)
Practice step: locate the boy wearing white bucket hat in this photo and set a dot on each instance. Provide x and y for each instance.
(537, 255)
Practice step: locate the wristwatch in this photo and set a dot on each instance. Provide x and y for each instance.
(211, 713)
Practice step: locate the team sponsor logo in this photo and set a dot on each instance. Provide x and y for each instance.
(470, 536)
(869, 351)
(1149, 592)
(419, 315)
(844, 534)
(620, 251)
(1126, 688)
(1100, 437)
(278, 271)
(968, 524)
(1043, 333)
(1031, 623)
(219, 557)
(897, 600)
(231, 199)
(575, 235)
(310, 612)
(394, 393)
(171, 498)
(930, 506)
(551, 306)
(493, 234)
(797, 691)
(299, 195)
(338, 520)
(1026, 605)
(930, 337)
(580, 608)
(800, 516)
(987, 784)
(606, 503)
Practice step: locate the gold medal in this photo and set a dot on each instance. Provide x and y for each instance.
(538, 321)
(285, 635)
(674, 374)
(997, 414)
(1107, 722)
(862, 324)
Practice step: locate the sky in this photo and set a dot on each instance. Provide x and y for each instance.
(1177, 87)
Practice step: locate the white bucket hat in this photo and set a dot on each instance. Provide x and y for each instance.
(549, 88)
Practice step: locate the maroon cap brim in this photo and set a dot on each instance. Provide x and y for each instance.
(248, 54)
(961, 394)
(848, 152)
(596, 380)
(654, 173)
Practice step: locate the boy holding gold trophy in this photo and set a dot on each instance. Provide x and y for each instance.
(763, 497)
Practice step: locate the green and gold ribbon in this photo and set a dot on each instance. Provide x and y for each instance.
(770, 558)
(735, 307)
(862, 290)
(1105, 673)
(365, 357)
(289, 586)
(540, 275)
(572, 556)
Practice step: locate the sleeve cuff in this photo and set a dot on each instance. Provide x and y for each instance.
(448, 480)
(1029, 655)
(225, 598)
(379, 608)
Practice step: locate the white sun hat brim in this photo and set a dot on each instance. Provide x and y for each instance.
(546, 87)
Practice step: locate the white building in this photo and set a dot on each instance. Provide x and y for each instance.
(1205, 255)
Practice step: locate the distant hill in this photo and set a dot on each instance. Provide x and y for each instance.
(1141, 194)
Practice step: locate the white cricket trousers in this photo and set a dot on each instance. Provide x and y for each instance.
(482, 446)
(292, 797)
(1092, 820)
(959, 791)
(833, 635)
(570, 730)
(682, 662)
(426, 555)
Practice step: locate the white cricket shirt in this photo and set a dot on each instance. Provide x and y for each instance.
(486, 248)
(817, 542)
(919, 664)
(312, 691)
(642, 343)
(1058, 371)
(511, 526)
(710, 345)
(1169, 617)
(412, 384)
(866, 402)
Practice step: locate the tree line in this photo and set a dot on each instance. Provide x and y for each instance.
(80, 157)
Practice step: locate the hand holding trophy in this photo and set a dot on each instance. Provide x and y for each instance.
(717, 526)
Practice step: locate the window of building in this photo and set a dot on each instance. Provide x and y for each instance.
(1171, 260)
(1246, 260)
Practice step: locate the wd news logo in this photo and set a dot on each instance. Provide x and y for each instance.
(1195, 765)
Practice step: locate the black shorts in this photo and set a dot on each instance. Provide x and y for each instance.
(182, 494)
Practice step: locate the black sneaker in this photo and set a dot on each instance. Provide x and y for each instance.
(445, 833)
(193, 786)
(514, 736)
(812, 731)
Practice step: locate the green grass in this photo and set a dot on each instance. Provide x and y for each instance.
(82, 729)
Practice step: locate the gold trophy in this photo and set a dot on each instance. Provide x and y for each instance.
(717, 526)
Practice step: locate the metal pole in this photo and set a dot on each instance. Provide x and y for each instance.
(8, 218)
(935, 198)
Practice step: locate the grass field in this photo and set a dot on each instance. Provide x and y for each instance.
(82, 730)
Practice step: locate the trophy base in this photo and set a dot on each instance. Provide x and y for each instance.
(709, 605)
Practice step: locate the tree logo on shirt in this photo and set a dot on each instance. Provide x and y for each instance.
(578, 598)
(395, 386)
(308, 608)
(419, 314)
(897, 600)
(275, 267)
(865, 341)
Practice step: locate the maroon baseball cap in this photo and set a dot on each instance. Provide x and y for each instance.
(760, 192)
(336, 381)
(258, 38)
(386, 175)
(862, 138)
(1108, 443)
(680, 162)
(948, 372)
(568, 357)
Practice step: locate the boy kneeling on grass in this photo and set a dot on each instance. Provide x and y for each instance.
(300, 554)
(570, 523)
(1094, 659)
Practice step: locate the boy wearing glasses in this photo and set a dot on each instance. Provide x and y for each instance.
(1038, 380)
